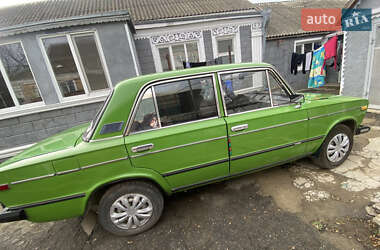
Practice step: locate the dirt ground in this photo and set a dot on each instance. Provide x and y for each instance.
(294, 206)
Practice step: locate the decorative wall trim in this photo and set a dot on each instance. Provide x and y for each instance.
(256, 26)
(176, 37)
(225, 30)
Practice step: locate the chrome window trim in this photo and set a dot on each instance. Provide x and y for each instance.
(156, 106)
(179, 146)
(269, 127)
(174, 125)
(107, 138)
(67, 171)
(91, 134)
(269, 87)
(163, 81)
(267, 70)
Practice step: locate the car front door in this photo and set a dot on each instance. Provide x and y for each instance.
(264, 127)
(177, 131)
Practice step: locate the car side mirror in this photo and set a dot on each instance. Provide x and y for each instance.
(298, 99)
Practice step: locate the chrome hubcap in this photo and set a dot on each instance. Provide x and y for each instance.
(131, 211)
(338, 147)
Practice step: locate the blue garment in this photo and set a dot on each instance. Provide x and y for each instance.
(317, 73)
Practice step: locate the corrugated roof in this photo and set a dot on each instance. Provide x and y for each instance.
(140, 11)
(285, 18)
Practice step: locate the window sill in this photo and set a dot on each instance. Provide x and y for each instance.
(28, 110)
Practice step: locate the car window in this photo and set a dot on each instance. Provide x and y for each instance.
(186, 100)
(279, 95)
(245, 91)
(146, 116)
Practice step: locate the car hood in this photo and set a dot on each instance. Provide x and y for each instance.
(317, 96)
(54, 143)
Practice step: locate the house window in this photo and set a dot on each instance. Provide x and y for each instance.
(175, 56)
(304, 46)
(17, 84)
(76, 63)
(225, 49)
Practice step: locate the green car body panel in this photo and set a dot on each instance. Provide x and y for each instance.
(56, 178)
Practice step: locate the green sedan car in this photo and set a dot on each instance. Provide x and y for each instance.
(168, 132)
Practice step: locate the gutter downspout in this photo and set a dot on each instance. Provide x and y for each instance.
(266, 16)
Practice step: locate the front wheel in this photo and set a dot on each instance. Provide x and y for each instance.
(336, 147)
(130, 208)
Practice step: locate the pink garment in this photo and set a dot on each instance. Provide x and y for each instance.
(330, 50)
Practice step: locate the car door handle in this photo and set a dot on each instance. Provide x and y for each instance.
(239, 127)
(141, 148)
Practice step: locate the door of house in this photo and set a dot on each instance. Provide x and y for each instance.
(374, 88)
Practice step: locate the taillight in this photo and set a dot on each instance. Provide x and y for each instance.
(4, 187)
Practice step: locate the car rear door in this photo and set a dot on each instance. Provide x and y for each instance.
(177, 131)
(264, 127)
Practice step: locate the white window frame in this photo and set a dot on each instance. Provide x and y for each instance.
(169, 46)
(221, 38)
(17, 105)
(302, 44)
(78, 63)
(235, 43)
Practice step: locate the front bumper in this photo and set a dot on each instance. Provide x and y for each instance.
(362, 129)
(12, 215)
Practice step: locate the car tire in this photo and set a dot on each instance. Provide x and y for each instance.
(130, 208)
(335, 148)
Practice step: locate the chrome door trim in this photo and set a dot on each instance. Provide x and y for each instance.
(67, 171)
(334, 113)
(163, 81)
(103, 163)
(178, 146)
(32, 179)
(269, 127)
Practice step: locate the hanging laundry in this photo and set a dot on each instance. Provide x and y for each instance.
(309, 58)
(297, 59)
(317, 72)
(330, 50)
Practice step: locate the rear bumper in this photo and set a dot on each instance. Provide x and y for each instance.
(362, 129)
(12, 215)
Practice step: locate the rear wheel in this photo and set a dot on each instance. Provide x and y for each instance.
(336, 147)
(130, 208)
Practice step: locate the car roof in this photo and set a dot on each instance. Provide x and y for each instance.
(141, 80)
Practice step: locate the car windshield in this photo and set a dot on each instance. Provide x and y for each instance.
(89, 131)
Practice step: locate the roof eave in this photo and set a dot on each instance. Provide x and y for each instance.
(252, 12)
(114, 16)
